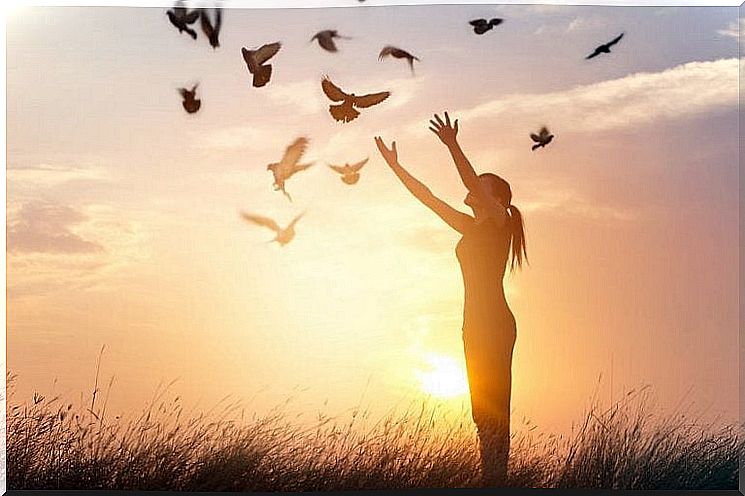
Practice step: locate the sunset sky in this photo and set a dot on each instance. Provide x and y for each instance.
(123, 226)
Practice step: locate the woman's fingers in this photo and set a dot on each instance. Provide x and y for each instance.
(434, 130)
(435, 125)
(455, 125)
(381, 146)
(439, 121)
(447, 119)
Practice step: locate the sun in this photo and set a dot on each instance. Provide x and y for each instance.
(443, 377)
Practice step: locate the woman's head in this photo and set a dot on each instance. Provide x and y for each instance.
(501, 193)
(497, 187)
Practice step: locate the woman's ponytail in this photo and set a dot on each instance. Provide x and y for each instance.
(517, 237)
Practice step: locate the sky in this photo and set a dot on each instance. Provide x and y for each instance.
(123, 226)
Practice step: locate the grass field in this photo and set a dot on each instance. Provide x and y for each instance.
(54, 445)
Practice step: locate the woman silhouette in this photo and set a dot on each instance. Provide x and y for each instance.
(491, 238)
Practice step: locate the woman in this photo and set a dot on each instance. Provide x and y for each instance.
(491, 238)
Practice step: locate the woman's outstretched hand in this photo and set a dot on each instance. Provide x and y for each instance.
(444, 130)
(389, 154)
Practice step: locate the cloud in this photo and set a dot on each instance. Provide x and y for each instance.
(244, 137)
(733, 29)
(304, 96)
(542, 9)
(635, 100)
(577, 24)
(60, 247)
(584, 23)
(48, 228)
(573, 203)
(50, 175)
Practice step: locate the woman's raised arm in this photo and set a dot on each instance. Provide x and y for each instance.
(448, 135)
(455, 219)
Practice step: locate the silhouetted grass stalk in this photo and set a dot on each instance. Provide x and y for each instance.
(57, 445)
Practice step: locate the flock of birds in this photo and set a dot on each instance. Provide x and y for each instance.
(344, 106)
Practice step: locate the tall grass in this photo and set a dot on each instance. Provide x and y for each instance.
(53, 445)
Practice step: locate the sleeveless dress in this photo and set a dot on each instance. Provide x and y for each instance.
(489, 334)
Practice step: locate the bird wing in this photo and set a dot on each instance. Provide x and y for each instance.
(386, 51)
(365, 101)
(175, 20)
(544, 132)
(327, 43)
(396, 53)
(262, 75)
(332, 91)
(496, 21)
(593, 54)
(183, 92)
(204, 20)
(295, 151)
(218, 19)
(191, 17)
(356, 167)
(266, 52)
(338, 168)
(261, 221)
(301, 167)
(477, 22)
(294, 221)
(614, 40)
(249, 59)
(535, 137)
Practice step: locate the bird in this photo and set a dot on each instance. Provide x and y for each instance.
(212, 32)
(605, 48)
(541, 139)
(345, 111)
(397, 53)
(350, 174)
(326, 39)
(284, 235)
(180, 17)
(289, 165)
(255, 61)
(481, 26)
(191, 103)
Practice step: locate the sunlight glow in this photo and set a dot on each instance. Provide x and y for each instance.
(444, 377)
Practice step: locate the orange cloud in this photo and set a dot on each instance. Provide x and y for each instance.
(39, 227)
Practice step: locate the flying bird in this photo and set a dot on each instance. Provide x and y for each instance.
(191, 103)
(284, 235)
(541, 139)
(481, 26)
(350, 174)
(397, 53)
(605, 48)
(181, 18)
(326, 39)
(212, 32)
(345, 111)
(256, 59)
(289, 165)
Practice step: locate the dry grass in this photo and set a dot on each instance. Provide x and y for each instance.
(52, 445)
